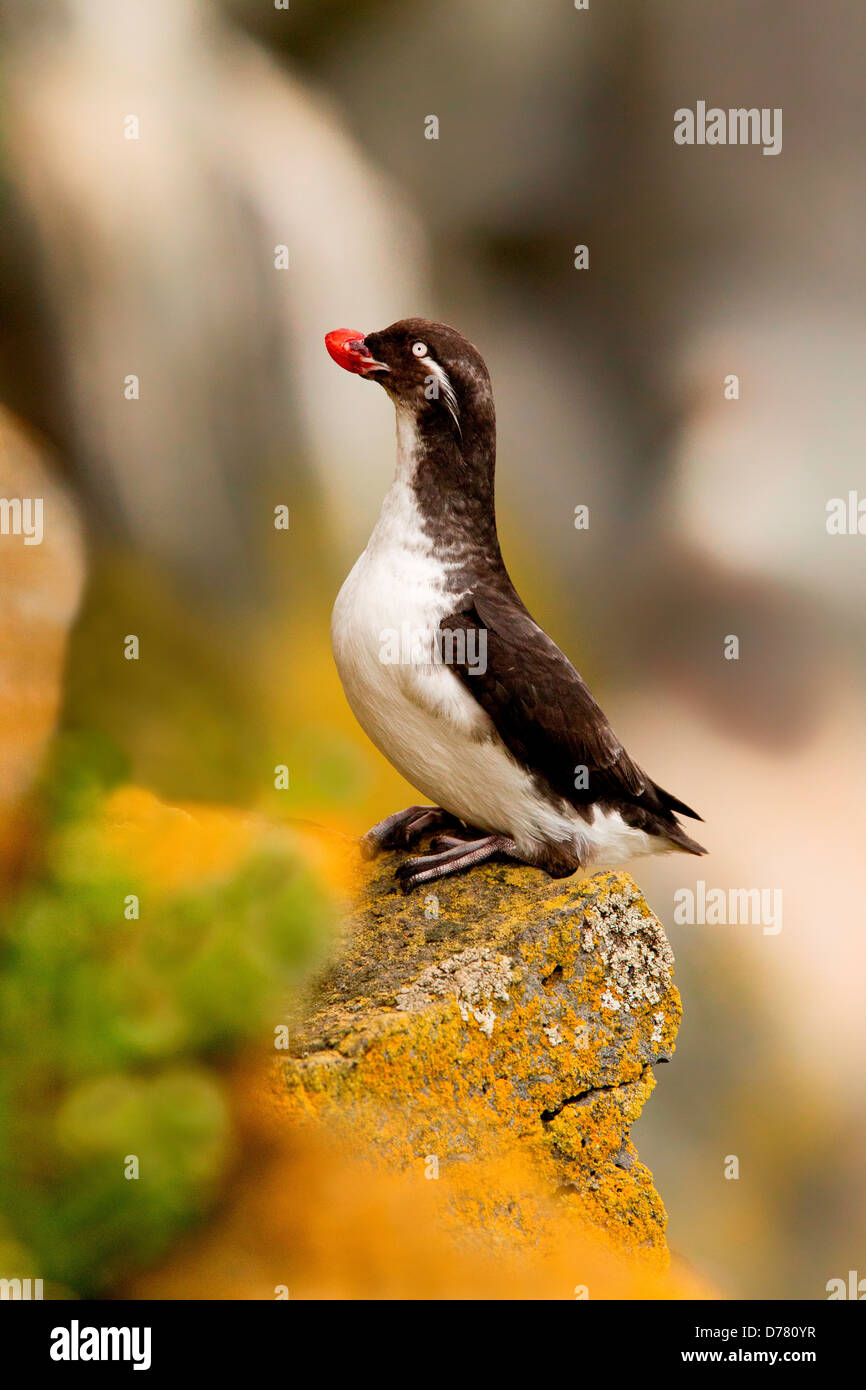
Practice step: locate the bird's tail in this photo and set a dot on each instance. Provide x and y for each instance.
(680, 840)
(672, 828)
(672, 803)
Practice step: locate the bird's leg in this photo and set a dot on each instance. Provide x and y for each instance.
(465, 854)
(403, 828)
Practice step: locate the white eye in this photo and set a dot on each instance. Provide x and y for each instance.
(419, 349)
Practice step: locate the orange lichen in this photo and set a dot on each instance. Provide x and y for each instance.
(508, 1041)
(180, 846)
(308, 1219)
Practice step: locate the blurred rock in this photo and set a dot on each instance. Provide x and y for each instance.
(500, 1035)
(40, 588)
(304, 1219)
(154, 256)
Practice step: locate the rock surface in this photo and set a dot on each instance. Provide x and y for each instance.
(40, 584)
(500, 1032)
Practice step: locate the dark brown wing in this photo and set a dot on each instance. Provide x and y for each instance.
(547, 717)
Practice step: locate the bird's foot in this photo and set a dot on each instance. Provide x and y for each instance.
(455, 854)
(458, 856)
(401, 830)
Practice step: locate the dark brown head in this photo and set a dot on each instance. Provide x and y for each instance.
(441, 389)
(427, 368)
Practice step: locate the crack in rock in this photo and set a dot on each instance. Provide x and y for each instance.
(584, 1097)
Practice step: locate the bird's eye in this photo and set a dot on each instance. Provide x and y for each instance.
(419, 349)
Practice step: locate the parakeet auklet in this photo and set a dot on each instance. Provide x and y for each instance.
(445, 669)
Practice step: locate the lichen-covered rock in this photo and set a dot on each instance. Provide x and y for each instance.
(499, 1033)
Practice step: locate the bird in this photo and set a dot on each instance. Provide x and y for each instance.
(446, 670)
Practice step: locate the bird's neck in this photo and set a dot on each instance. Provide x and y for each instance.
(450, 473)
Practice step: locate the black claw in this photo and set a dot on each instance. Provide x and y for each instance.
(406, 870)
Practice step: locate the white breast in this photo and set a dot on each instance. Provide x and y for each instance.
(416, 710)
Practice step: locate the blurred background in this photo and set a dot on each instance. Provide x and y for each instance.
(155, 156)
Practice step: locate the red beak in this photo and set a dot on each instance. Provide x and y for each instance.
(348, 349)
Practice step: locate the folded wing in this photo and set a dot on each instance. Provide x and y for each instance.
(547, 717)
